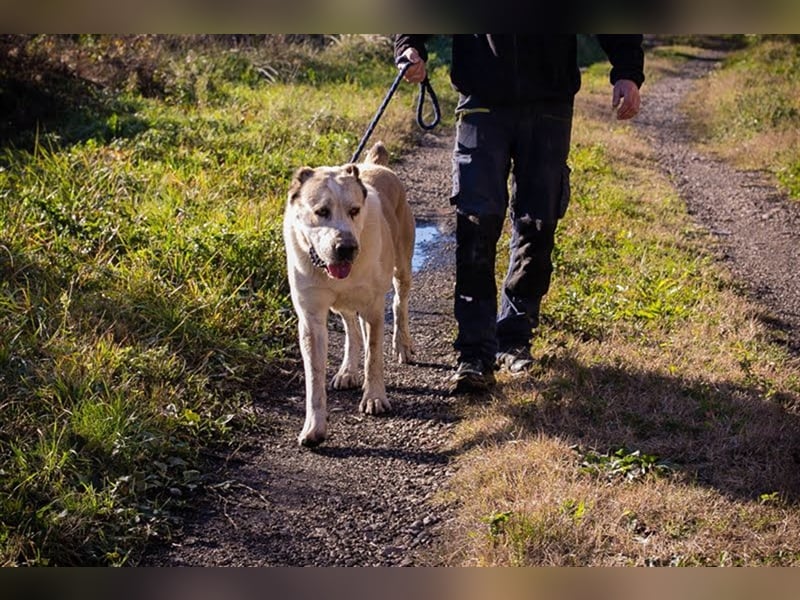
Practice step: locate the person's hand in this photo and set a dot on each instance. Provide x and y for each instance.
(626, 100)
(416, 73)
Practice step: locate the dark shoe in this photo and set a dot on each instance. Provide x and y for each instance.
(515, 360)
(471, 377)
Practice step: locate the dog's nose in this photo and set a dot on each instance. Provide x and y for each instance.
(345, 252)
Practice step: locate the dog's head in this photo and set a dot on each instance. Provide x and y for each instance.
(327, 206)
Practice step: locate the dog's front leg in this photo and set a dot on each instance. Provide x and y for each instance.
(313, 332)
(348, 375)
(374, 401)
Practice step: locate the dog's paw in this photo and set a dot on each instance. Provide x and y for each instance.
(374, 406)
(309, 442)
(345, 380)
(404, 354)
(314, 432)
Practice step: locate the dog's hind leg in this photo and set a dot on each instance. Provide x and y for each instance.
(401, 337)
(348, 374)
(374, 400)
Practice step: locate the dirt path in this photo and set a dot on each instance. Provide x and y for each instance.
(757, 228)
(364, 498)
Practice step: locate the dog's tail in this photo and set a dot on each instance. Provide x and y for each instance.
(378, 155)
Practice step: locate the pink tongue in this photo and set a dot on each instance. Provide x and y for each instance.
(339, 270)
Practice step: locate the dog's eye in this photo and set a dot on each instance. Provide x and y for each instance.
(354, 212)
(323, 213)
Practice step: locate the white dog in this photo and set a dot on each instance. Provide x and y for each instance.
(349, 234)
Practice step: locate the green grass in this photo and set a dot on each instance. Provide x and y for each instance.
(143, 294)
(643, 278)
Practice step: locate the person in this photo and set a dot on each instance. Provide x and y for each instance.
(514, 120)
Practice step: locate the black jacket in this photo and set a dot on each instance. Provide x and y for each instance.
(508, 69)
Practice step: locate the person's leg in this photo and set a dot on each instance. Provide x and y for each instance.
(480, 194)
(540, 194)
(526, 283)
(475, 298)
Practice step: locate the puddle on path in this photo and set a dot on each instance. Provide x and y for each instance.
(427, 235)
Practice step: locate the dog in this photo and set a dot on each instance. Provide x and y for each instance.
(349, 237)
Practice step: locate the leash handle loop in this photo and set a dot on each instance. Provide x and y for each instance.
(423, 87)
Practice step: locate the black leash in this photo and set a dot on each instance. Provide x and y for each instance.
(424, 87)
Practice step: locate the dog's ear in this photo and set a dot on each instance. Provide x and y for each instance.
(351, 169)
(300, 177)
(302, 174)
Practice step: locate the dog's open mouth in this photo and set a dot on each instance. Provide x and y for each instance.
(338, 270)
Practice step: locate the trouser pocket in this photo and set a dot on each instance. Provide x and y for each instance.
(480, 165)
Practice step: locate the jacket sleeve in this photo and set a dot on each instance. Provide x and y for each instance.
(404, 41)
(626, 56)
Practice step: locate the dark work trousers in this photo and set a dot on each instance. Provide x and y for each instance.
(508, 159)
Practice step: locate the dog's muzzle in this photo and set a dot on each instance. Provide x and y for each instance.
(345, 252)
(343, 265)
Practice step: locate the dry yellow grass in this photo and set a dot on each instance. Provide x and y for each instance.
(558, 516)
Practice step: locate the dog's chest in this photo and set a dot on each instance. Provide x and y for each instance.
(359, 294)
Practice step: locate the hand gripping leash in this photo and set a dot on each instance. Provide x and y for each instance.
(424, 87)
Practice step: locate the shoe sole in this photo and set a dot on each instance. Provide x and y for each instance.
(516, 369)
(515, 366)
(471, 384)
